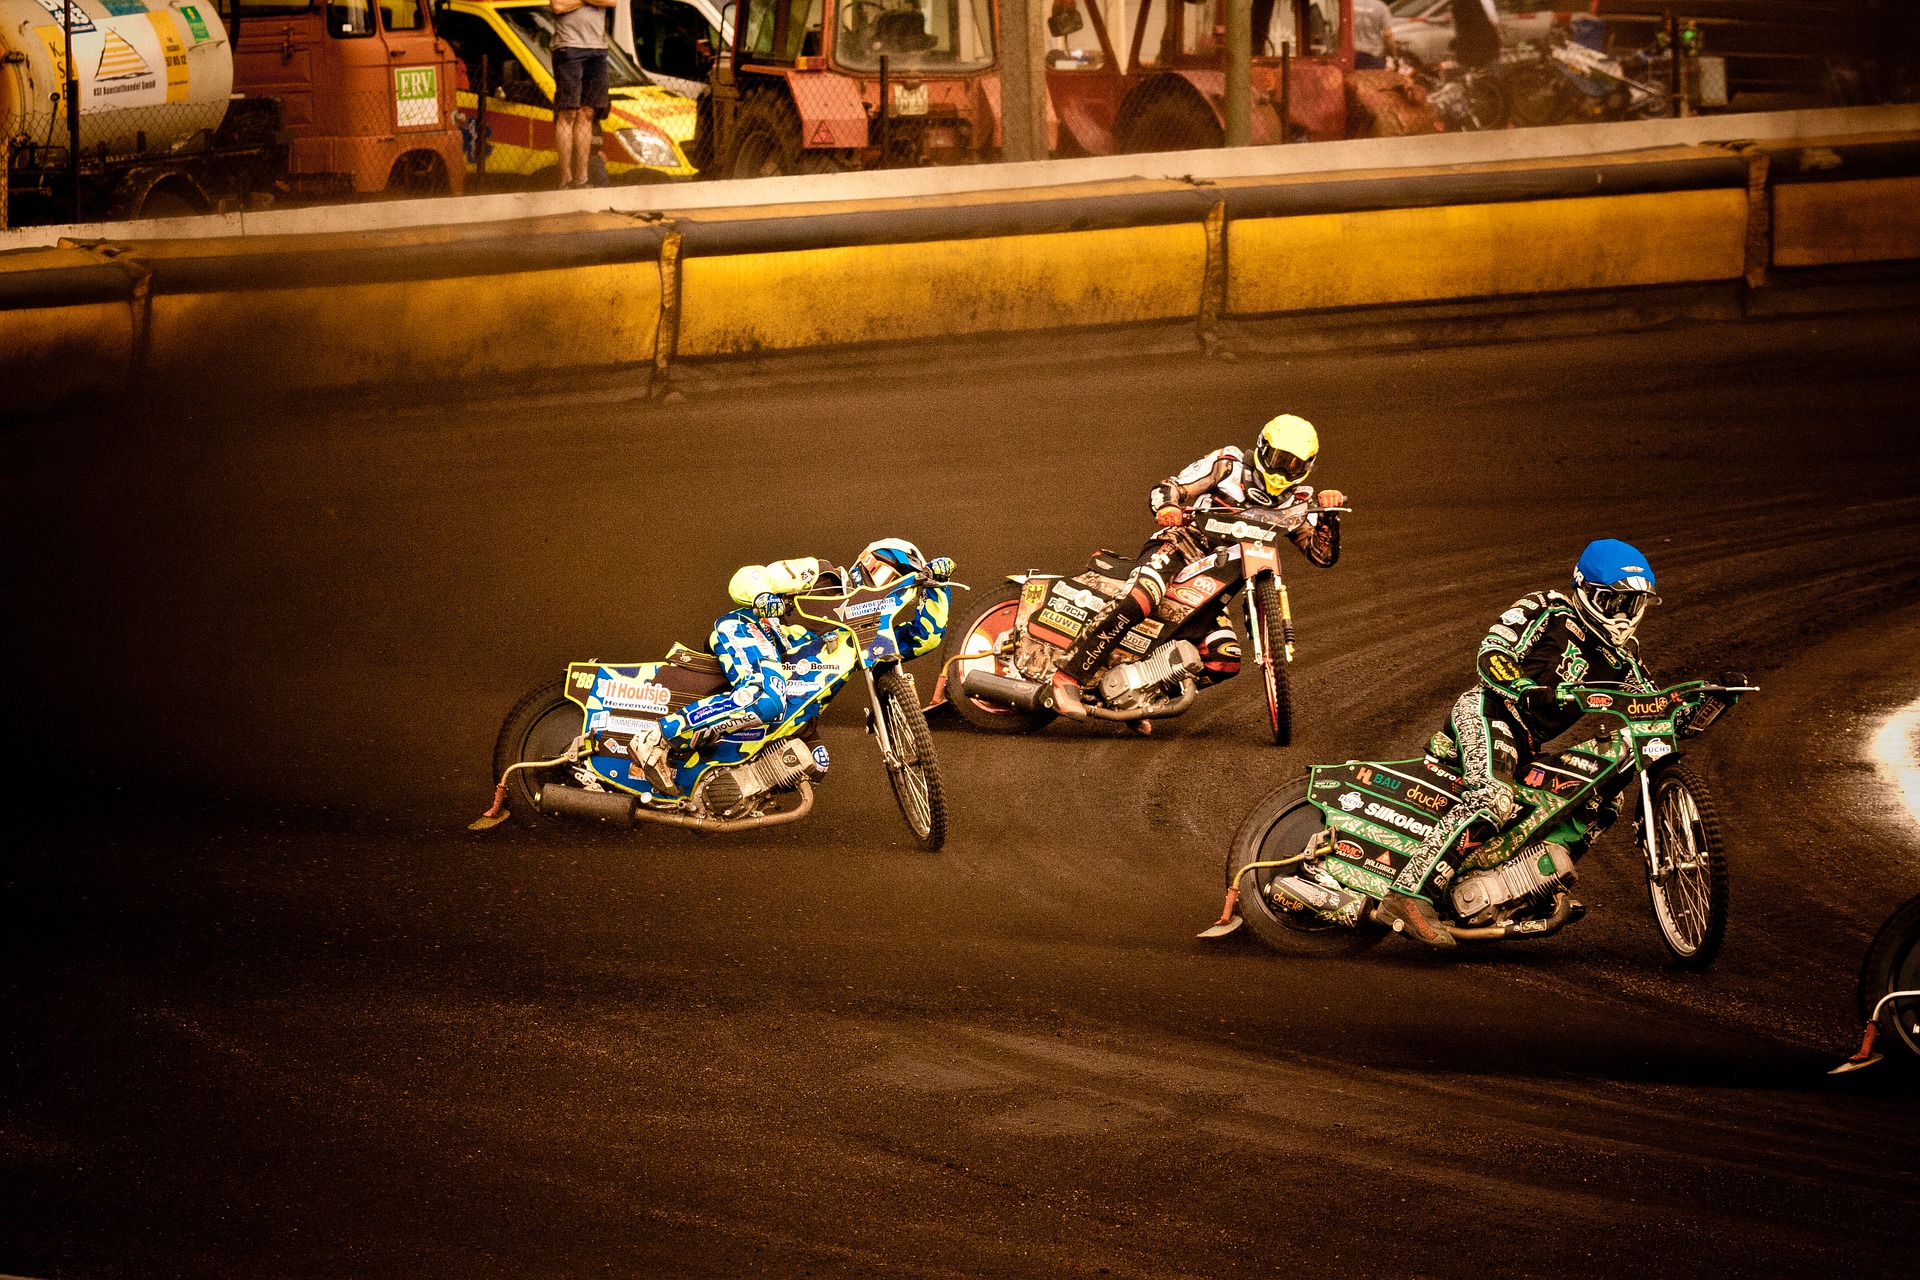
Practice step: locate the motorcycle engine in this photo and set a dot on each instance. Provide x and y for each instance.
(1130, 684)
(1532, 874)
(779, 768)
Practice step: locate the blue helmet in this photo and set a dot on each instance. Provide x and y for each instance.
(1612, 587)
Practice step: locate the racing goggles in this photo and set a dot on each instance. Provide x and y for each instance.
(1278, 467)
(1627, 603)
(878, 571)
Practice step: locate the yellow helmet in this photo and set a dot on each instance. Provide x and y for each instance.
(781, 578)
(1285, 453)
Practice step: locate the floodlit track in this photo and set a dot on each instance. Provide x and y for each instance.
(271, 1010)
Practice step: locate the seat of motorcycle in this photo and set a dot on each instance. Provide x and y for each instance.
(693, 672)
(1110, 564)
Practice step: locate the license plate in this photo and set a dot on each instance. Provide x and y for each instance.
(909, 102)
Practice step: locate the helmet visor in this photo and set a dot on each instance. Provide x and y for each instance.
(1627, 605)
(1280, 468)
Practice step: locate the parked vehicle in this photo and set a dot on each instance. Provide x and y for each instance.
(851, 84)
(1171, 94)
(1422, 30)
(506, 98)
(319, 101)
(674, 41)
(999, 677)
(564, 749)
(1309, 866)
(1889, 994)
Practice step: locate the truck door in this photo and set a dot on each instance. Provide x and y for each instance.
(420, 100)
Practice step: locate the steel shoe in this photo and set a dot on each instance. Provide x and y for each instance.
(1066, 696)
(1416, 918)
(649, 751)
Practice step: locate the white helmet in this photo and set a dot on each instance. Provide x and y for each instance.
(886, 561)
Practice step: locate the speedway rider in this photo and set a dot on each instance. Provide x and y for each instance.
(1496, 727)
(1282, 457)
(759, 653)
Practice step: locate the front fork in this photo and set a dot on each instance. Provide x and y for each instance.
(1646, 815)
(877, 721)
(1256, 625)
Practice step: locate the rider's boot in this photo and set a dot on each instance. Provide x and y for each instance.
(1066, 696)
(649, 750)
(1414, 917)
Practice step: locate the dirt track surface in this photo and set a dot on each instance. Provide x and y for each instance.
(270, 1010)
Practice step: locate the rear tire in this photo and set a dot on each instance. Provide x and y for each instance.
(1279, 827)
(916, 782)
(541, 725)
(1893, 964)
(1690, 898)
(989, 622)
(1273, 669)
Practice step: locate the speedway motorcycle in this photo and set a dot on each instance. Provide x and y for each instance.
(1000, 678)
(1889, 994)
(565, 749)
(1311, 863)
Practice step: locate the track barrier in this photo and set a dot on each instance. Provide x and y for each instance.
(648, 290)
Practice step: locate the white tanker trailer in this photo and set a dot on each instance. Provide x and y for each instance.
(161, 132)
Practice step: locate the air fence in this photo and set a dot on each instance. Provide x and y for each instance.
(360, 301)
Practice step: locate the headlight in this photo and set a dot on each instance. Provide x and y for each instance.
(648, 147)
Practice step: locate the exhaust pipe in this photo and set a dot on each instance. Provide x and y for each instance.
(1025, 694)
(577, 802)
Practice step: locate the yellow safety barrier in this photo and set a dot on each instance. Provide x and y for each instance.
(1826, 223)
(1483, 250)
(1003, 284)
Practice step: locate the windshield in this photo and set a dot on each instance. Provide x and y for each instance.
(534, 25)
(916, 35)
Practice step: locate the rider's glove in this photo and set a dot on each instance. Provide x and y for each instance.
(1539, 701)
(1170, 517)
(769, 605)
(1332, 498)
(941, 567)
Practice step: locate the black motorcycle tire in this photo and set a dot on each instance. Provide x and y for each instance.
(1893, 964)
(988, 718)
(1273, 672)
(541, 726)
(916, 781)
(1674, 784)
(1279, 827)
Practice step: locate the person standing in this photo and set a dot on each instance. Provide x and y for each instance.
(579, 83)
(1476, 33)
(1371, 18)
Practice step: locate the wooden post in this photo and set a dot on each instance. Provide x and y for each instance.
(1239, 103)
(1286, 90)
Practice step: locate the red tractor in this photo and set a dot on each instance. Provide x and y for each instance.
(819, 86)
(1172, 95)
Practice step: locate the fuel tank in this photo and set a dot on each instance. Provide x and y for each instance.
(154, 75)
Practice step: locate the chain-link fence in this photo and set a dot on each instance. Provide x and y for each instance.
(823, 86)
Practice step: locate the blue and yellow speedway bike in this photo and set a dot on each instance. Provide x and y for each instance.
(1311, 862)
(564, 749)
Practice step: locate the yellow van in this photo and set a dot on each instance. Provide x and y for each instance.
(506, 96)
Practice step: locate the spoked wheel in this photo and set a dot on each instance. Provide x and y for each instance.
(541, 726)
(915, 773)
(1273, 666)
(990, 625)
(1893, 964)
(1280, 827)
(1689, 891)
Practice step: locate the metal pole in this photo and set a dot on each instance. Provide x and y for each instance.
(1239, 102)
(480, 122)
(1673, 64)
(1023, 81)
(72, 91)
(881, 122)
(1286, 89)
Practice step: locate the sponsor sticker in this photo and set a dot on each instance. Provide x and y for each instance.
(1505, 633)
(1374, 778)
(1647, 706)
(1427, 800)
(1582, 763)
(1193, 595)
(865, 608)
(1573, 664)
(1655, 749)
(1394, 818)
(1241, 530)
(1535, 778)
(1503, 667)
(1514, 616)
(1325, 784)
(1599, 701)
(416, 96)
(1348, 849)
(1051, 617)
(820, 757)
(1351, 801)
(196, 24)
(636, 695)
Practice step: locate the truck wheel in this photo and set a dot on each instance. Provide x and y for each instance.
(1171, 122)
(167, 204)
(418, 173)
(766, 139)
(699, 150)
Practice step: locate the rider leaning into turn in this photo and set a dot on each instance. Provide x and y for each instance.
(1496, 728)
(1282, 457)
(758, 651)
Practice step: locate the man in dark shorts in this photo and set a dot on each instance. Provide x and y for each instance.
(579, 82)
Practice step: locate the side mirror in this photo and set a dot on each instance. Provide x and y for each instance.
(1065, 18)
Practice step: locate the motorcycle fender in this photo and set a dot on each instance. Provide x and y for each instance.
(1257, 558)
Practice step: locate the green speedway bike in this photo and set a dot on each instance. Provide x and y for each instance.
(1309, 865)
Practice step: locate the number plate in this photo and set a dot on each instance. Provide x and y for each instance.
(909, 102)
